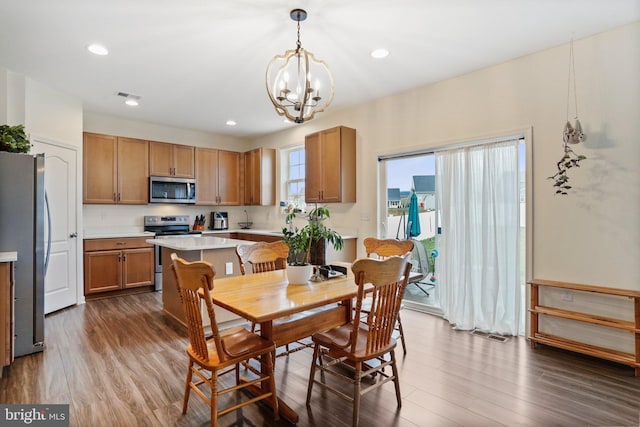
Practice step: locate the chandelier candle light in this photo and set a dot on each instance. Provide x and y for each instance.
(293, 80)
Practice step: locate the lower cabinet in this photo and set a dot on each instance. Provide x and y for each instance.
(6, 314)
(112, 265)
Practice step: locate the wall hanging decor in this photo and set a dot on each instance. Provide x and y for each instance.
(571, 135)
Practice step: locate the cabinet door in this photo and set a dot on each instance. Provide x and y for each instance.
(183, 161)
(133, 171)
(102, 271)
(330, 168)
(228, 178)
(206, 176)
(137, 267)
(313, 168)
(6, 313)
(252, 177)
(160, 159)
(99, 161)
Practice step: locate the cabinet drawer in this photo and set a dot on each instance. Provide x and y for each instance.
(116, 243)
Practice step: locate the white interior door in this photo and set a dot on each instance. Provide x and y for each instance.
(60, 184)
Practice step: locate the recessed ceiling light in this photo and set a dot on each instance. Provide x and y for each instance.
(97, 49)
(231, 123)
(379, 53)
(131, 102)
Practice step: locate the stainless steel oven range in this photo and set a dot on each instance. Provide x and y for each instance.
(165, 227)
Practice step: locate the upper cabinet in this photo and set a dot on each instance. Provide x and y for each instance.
(217, 177)
(171, 160)
(259, 177)
(115, 170)
(330, 166)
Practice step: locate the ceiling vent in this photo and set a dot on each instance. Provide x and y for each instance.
(128, 95)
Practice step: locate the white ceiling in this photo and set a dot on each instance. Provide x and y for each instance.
(198, 63)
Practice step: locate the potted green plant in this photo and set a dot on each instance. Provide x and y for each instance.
(308, 240)
(13, 139)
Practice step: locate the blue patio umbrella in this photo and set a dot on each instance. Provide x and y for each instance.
(413, 218)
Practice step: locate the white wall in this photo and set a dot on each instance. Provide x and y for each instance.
(591, 236)
(53, 115)
(12, 98)
(112, 125)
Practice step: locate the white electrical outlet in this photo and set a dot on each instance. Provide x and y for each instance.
(228, 267)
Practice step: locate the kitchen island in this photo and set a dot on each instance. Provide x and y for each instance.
(219, 252)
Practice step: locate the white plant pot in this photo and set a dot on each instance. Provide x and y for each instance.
(299, 274)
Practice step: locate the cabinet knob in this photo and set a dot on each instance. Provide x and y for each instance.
(74, 234)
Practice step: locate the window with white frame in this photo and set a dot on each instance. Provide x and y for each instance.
(294, 176)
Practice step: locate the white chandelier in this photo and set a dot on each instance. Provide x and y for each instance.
(295, 78)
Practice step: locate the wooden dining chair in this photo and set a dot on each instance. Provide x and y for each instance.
(356, 344)
(384, 248)
(223, 352)
(262, 257)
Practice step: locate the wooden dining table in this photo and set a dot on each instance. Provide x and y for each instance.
(287, 313)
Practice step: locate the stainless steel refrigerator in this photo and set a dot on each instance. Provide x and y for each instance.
(22, 216)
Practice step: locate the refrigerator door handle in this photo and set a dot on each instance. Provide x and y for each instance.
(47, 256)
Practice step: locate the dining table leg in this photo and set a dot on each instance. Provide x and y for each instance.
(285, 411)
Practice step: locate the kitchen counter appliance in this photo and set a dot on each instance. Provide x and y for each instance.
(165, 227)
(219, 221)
(163, 189)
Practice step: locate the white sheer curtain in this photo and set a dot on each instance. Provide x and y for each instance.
(478, 267)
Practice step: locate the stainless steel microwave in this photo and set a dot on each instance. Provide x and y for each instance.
(171, 190)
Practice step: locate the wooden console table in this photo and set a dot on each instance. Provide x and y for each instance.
(536, 310)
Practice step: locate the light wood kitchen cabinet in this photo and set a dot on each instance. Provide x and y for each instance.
(260, 177)
(330, 166)
(171, 160)
(217, 177)
(118, 264)
(115, 170)
(6, 314)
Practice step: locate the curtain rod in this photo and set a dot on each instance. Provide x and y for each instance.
(426, 151)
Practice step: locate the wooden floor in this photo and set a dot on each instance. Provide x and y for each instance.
(121, 362)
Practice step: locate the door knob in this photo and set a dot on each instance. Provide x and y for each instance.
(74, 234)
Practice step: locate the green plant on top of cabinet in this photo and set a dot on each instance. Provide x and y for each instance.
(172, 160)
(115, 170)
(217, 177)
(330, 166)
(259, 177)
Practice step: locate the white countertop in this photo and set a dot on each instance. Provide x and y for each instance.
(8, 256)
(115, 232)
(246, 230)
(197, 243)
(259, 231)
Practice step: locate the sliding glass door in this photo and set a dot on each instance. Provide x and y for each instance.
(488, 244)
(410, 177)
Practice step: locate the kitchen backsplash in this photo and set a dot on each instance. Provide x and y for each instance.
(96, 216)
(262, 217)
